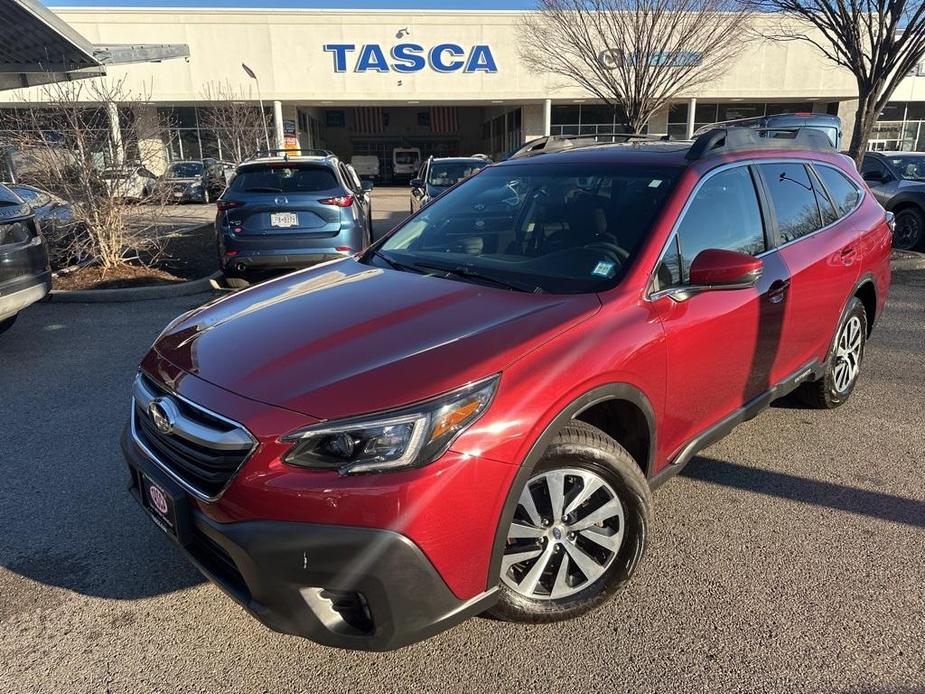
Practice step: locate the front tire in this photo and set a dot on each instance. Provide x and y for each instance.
(843, 364)
(909, 229)
(579, 530)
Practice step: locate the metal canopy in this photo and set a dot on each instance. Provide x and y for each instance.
(37, 47)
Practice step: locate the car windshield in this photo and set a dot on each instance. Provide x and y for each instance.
(284, 179)
(406, 157)
(909, 167)
(444, 174)
(185, 169)
(556, 228)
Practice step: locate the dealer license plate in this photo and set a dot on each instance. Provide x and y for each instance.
(284, 220)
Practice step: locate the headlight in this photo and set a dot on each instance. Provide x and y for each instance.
(410, 437)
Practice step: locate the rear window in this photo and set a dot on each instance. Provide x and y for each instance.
(448, 173)
(845, 193)
(285, 179)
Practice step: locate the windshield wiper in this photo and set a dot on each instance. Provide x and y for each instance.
(394, 263)
(470, 273)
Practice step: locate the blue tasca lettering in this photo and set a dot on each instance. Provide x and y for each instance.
(407, 57)
(340, 51)
(481, 60)
(372, 58)
(437, 59)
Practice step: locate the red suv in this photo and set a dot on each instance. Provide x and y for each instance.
(470, 416)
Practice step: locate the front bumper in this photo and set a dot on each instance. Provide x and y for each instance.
(347, 587)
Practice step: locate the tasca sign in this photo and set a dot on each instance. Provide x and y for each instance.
(411, 57)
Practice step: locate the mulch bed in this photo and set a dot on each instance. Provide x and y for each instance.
(188, 255)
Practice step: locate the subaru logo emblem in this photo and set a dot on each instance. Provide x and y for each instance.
(161, 414)
(281, 200)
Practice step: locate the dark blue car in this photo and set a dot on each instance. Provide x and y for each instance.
(285, 213)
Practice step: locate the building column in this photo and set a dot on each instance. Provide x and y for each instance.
(691, 114)
(115, 133)
(278, 124)
(547, 117)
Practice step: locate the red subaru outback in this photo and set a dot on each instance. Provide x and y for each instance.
(470, 416)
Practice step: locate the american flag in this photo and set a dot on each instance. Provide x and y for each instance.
(367, 120)
(444, 119)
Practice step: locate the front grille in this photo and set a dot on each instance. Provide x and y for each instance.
(202, 450)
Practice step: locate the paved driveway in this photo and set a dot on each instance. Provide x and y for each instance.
(788, 558)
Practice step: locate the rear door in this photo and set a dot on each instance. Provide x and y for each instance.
(286, 199)
(817, 241)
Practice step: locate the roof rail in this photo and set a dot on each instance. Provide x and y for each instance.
(286, 153)
(557, 143)
(738, 139)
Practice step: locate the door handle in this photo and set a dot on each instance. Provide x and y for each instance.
(848, 253)
(778, 290)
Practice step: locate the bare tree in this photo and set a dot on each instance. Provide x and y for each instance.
(63, 142)
(635, 55)
(879, 41)
(235, 118)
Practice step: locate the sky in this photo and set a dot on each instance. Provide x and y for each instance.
(332, 4)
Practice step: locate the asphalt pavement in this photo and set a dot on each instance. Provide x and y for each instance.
(790, 557)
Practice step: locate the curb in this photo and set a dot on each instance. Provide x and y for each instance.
(904, 261)
(106, 296)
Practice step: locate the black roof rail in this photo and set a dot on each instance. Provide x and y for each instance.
(738, 139)
(558, 143)
(286, 153)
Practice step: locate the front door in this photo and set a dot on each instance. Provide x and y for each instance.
(721, 344)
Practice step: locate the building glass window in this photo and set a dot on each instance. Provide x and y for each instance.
(586, 119)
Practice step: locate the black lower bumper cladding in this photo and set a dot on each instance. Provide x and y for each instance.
(355, 588)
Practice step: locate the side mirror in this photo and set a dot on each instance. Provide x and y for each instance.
(874, 177)
(417, 183)
(718, 269)
(367, 186)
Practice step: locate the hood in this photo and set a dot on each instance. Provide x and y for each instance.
(345, 338)
(906, 186)
(186, 179)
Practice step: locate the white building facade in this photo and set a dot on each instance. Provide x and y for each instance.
(448, 82)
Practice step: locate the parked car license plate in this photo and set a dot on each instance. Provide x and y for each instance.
(284, 220)
(160, 505)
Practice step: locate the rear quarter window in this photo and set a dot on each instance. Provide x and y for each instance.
(285, 179)
(844, 192)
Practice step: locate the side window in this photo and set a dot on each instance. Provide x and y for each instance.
(872, 165)
(724, 214)
(793, 198)
(826, 208)
(845, 193)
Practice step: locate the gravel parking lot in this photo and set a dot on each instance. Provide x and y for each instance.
(788, 557)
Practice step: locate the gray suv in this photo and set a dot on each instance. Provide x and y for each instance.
(284, 213)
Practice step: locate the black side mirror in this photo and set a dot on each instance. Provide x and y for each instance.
(417, 183)
(874, 177)
(367, 186)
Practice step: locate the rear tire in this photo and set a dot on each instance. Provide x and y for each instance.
(583, 564)
(843, 364)
(7, 323)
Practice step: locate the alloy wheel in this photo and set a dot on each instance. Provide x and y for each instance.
(908, 231)
(566, 532)
(848, 354)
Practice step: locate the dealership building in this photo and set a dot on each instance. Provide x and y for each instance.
(361, 82)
